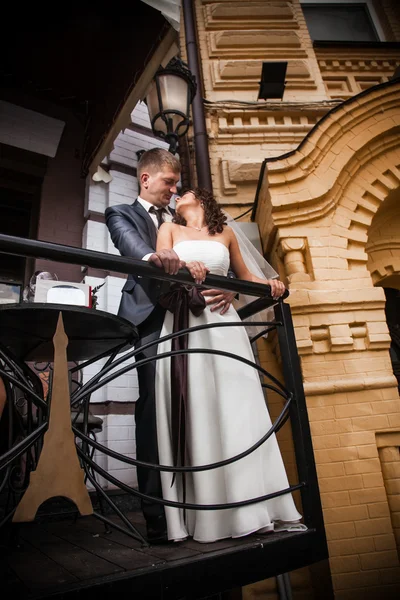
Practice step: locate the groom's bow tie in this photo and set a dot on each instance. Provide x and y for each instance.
(159, 212)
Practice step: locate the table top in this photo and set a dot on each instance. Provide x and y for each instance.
(27, 330)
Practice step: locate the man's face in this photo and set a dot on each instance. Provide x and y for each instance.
(158, 187)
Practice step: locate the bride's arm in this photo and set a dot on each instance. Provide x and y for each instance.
(165, 238)
(242, 272)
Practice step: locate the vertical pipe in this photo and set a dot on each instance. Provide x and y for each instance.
(199, 120)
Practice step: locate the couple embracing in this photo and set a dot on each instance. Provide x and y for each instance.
(217, 408)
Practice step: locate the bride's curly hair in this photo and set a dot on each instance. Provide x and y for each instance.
(214, 217)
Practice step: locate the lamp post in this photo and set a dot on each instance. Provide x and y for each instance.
(168, 101)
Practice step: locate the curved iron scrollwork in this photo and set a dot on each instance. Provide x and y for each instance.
(18, 376)
(26, 412)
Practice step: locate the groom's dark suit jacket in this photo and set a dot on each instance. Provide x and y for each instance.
(134, 234)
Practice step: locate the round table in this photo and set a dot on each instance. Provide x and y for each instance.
(27, 330)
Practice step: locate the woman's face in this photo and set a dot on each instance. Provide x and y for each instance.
(186, 201)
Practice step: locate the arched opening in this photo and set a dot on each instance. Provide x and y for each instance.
(383, 249)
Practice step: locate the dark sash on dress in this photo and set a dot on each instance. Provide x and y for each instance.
(179, 300)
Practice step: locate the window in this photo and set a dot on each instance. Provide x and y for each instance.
(340, 21)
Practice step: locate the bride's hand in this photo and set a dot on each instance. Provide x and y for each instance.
(277, 288)
(198, 270)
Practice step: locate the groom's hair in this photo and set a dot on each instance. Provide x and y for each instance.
(155, 160)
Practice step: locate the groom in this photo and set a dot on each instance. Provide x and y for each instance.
(133, 229)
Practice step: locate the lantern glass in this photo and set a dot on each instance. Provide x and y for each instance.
(173, 93)
(168, 101)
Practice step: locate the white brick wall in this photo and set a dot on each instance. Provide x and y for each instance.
(96, 237)
(140, 115)
(96, 200)
(123, 189)
(129, 142)
(118, 430)
(125, 387)
(118, 434)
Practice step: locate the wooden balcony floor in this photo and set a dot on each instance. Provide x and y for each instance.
(76, 560)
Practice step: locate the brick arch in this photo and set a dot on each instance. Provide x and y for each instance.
(383, 244)
(368, 188)
(310, 182)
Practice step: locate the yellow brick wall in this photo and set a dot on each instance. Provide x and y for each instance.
(234, 38)
(334, 166)
(343, 186)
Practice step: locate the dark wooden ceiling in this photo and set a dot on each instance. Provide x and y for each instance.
(87, 63)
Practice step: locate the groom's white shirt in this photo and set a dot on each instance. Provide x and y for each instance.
(167, 217)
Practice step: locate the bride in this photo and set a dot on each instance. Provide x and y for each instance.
(224, 412)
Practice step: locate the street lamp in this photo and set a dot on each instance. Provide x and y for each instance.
(168, 101)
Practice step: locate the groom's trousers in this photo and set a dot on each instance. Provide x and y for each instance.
(145, 415)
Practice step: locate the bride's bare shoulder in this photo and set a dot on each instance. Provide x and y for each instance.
(228, 232)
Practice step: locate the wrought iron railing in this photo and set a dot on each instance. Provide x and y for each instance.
(17, 375)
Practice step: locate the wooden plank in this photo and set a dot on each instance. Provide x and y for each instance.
(119, 555)
(203, 574)
(11, 585)
(95, 526)
(36, 570)
(81, 563)
(223, 570)
(218, 545)
(168, 552)
(172, 551)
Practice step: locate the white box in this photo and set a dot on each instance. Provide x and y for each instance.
(63, 292)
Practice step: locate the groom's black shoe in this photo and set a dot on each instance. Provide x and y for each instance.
(157, 530)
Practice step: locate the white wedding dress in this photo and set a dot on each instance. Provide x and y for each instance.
(226, 415)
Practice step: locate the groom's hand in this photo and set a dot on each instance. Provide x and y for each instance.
(220, 299)
(167, 260)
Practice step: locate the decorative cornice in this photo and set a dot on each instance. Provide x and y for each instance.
(350, 384)
(313, 301)
(235, 15)
(272, 43)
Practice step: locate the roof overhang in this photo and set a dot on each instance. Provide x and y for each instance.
(95, 66)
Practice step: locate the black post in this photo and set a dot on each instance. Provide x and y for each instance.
(199, 120)
(310, 496)
(311, 501)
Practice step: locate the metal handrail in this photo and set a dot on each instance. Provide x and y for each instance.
(10, 244)
(292, 391)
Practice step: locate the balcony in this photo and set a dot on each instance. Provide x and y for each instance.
(107, 553)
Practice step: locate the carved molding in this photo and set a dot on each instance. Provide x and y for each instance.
(248, 43)
(236, 15)
(246, 126)
(349, 384)
(297, 259)
(347, 72)
(234, 172)
(342, 337)
(384, 259)
(245, 75)
(319, 302)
